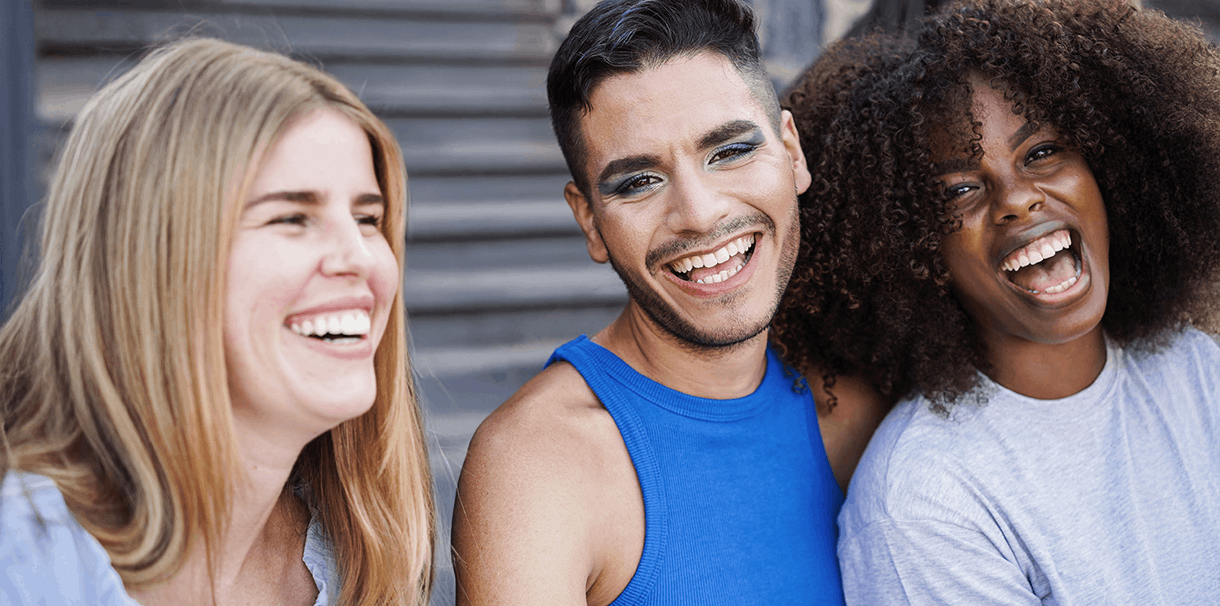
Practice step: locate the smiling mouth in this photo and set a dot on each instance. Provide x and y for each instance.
(716, 266)
(1048, 265)
(347, 327)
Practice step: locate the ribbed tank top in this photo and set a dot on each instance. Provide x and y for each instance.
(739, 499)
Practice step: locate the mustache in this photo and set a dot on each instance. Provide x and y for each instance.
(675, 248)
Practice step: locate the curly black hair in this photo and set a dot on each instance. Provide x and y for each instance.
(1137, 93)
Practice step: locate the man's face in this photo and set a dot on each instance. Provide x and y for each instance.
(693, 197)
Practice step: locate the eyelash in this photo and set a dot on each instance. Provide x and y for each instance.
(300, 219)
(730, 152)
(1035, 154)
(733, 151)
(633, 185)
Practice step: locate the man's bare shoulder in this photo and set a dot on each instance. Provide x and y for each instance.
(554, 407)
(543, 473)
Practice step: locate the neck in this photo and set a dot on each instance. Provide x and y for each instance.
(1047, 371)
(732, 371)
(263, 524)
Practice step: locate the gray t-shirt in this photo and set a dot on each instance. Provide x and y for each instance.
(1109, 496)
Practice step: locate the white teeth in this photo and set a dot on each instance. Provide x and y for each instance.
(351, 324)
(1038, 251)
(720, 277)
(739, 246)
(1058, 288)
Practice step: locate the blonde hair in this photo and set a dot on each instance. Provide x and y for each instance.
(112, 369)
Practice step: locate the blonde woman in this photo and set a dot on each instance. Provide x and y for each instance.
(205, 394)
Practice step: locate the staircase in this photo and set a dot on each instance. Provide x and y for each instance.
(497, 274)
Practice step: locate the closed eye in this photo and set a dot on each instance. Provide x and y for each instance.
(290, 219)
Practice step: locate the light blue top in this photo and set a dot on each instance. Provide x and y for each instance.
(1109, 496)
(46, 557)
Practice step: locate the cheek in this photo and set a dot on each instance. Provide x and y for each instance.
(384, 276)
(265, 276)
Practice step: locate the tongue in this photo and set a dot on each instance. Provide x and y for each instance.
(1041, 276)
(700, 273)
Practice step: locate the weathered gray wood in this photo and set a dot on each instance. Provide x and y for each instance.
(468, 9)
(456, 220)
(301, 35)
(16, 142)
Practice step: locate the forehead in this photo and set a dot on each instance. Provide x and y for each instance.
(665, 107)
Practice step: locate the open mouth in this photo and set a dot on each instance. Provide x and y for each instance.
(1048, 265)
(348, 327)
(716, 266)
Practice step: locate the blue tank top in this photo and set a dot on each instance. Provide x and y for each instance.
(739, 499)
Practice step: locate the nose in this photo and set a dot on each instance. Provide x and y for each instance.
(347, 251)
(1016, 198)
(696, 205)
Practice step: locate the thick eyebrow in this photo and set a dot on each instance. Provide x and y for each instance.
(311, 198)
(726, 132)
(1026, 131)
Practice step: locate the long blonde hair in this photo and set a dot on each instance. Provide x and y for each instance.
(112, 369)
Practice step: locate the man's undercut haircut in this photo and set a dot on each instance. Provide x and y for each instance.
(626, 36)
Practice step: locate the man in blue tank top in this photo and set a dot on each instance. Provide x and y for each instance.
(672, 458)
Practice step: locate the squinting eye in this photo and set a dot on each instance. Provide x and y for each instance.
(636, 184)
(730, 152)
(293, 219)
(374, 220)
(1042, 151)
(954, 192)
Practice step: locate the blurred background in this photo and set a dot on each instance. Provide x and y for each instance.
(497, 274)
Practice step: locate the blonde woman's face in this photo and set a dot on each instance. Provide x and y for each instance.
(311, 280)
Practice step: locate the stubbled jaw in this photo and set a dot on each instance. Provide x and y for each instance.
(716, 266)
(350, 326)
(1048, 265)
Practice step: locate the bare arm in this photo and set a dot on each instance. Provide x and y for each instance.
(541, 506)
(847, 428)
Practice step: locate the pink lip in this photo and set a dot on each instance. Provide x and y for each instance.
(709, 290)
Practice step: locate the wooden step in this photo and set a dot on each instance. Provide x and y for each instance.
(308, 35)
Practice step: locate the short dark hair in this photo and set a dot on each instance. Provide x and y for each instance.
(625, 36)
(1137, 93)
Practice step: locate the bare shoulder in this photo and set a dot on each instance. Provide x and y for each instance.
(544, 477)
(847, 426)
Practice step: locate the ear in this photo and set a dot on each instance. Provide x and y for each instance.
(584, 217)
(792, 143)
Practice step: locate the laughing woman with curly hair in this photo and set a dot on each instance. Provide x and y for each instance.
(1015, 227)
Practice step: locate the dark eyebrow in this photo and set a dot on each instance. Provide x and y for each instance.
(1019, 137)
(727, 131)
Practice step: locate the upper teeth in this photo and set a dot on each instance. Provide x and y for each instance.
(353, 323)
(1037, 251)
(712, 259)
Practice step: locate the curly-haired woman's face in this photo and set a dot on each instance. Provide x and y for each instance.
(311, 281)
(1030, 262)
